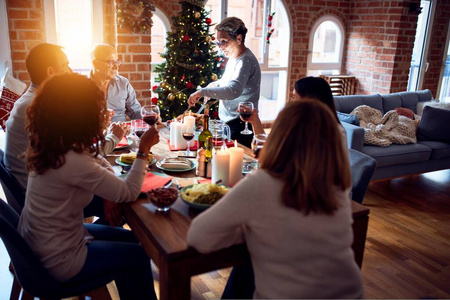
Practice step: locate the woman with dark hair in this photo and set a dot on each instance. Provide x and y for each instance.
(316, 88)
(294, 212)
(66, 122)
(240, 82)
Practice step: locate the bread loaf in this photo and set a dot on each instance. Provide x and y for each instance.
(129, 158)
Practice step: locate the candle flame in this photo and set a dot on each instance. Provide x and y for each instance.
(189, 113)
(224, 147)
(213, 152)
(235, 143)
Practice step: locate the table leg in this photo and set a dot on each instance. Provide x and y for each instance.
(174, 282)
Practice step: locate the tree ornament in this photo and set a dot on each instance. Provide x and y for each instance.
(214, 77)
(135, 15)
(171, 97)
(189, 85)
(163, 84)
(197, 15)
(186, 38)
(208, 39)
(154, 100)
(154, 88)
(208, 21)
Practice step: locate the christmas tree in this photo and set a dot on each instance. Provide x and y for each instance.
(191, 59)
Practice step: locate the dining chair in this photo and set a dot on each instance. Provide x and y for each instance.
(362, 168)
(15, 194)
(29, 273)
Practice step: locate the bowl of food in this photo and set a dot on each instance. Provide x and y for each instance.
(203, 195)
(162, 198)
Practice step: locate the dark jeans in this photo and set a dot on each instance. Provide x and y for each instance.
(241, 283)
(236, 126)
(116, 252)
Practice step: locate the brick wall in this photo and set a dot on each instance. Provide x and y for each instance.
(380, 36)
(26, 30)
(379, 45)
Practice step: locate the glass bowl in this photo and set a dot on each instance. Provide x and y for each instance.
(162, 198)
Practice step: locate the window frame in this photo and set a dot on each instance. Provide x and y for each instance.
(97, 25)
(317, 67)
(282, 97)
(5, 47)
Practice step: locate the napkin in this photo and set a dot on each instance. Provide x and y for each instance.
(193, 147)
(153, 181)
(204, 180)
(123, 142)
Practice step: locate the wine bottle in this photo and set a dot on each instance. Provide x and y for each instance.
(205, 137)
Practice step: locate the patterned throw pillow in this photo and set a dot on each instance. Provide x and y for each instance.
(7, 100)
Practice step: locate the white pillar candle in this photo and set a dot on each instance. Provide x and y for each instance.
(178, 141)
(236, 161)
(172, 131)
(189, 121)
(221, 166)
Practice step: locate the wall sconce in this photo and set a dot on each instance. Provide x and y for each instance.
(414, 8)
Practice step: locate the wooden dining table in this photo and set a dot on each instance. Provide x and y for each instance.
(163, 235)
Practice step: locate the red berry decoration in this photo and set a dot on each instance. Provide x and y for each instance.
(183, 78)
(154, 100)
(208, 21)
(186, 38)
(154, 87)
(189, 85)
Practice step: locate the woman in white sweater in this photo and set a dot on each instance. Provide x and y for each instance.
(66, 121)
(294, 213)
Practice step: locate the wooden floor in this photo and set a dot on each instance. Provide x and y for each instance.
(407, 250)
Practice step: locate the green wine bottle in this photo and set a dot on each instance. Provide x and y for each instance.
(205, 137)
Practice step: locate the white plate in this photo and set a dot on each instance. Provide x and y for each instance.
(192, 164)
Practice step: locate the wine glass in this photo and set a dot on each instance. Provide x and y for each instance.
(138, 127)
(188, 133)
(245, 110)
(150, 113)
(257, 144)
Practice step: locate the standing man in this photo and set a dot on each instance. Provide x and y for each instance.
(119, 93)
(43, 62)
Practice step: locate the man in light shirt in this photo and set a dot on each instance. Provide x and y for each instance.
(118, 91)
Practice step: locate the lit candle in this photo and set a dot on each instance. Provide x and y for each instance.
(176, 138)
(236, 161)
(221, 166)
(189, 121)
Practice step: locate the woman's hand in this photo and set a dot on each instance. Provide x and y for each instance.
(148, 140)
(119, 129)
(194, 97)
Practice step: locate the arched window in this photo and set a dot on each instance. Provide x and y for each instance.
(273, 56)
(77, 26)
(326, 46)
(159, 30)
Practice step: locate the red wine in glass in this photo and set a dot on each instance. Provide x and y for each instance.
(245, 114)
(188, 136)
(256, 151)
(139, 133)
(151, 119)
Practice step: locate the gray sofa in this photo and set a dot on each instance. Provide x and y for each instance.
(395, 160)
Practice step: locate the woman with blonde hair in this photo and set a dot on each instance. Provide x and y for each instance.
(66, 122)
(294, 212)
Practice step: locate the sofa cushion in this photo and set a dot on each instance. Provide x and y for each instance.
(348, 118)
(424, 95)
(438, 149)
(404, 99)
(434, 125)
(347, 104)
(398, 154)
